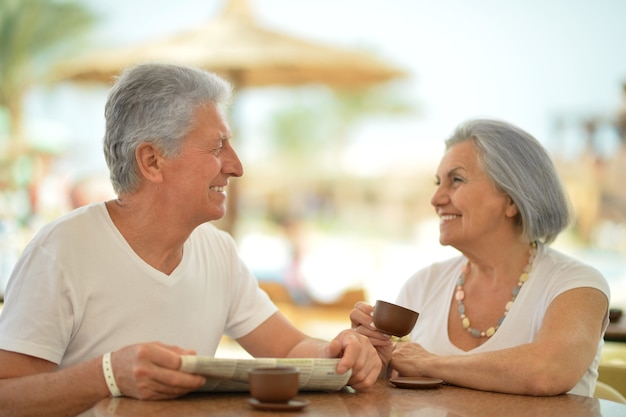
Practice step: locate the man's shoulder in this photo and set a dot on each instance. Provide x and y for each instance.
(76, 220)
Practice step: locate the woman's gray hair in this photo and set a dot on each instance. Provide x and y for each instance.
(521, 167)
(154, 103)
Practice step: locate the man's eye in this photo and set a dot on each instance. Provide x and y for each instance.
(219, 148)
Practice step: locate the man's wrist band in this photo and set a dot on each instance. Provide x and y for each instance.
(108, 376)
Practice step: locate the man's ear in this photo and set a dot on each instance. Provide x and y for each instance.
(149, 160)
(511, 208)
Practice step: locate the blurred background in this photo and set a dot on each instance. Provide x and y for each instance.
(341, 111)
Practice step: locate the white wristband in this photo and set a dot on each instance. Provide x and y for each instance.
(108, 376)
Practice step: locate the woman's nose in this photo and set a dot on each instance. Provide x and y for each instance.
(438, 198)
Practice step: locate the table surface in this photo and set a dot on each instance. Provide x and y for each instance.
(383, 399)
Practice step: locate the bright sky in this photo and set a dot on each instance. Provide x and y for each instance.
(526, 61)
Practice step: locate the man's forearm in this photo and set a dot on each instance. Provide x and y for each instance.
(309, 348)
(61, 393)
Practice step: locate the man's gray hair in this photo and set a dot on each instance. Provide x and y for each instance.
(154, 103)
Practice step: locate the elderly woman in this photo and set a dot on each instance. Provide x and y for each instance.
(510, 314)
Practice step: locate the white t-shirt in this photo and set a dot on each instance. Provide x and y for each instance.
(430, 290)
(79, 291)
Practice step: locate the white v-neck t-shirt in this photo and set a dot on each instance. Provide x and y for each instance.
(79, 291)
(430, 290)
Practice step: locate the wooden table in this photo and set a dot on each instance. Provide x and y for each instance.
(382, 400)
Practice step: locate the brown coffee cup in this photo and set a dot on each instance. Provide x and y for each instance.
(273, 384)
(393, 319)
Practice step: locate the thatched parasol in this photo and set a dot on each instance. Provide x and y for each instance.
(236, 47)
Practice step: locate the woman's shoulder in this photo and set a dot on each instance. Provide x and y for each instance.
(560, 261)
(569, 271)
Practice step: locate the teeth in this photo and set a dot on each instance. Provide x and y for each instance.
(445, 217)
(218, 189)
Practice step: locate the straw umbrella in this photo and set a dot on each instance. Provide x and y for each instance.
(239, 49)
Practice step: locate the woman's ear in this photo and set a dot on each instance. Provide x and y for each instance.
(149, 160)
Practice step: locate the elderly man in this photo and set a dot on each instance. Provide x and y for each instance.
(96, 288)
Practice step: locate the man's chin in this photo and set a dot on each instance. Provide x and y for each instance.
(216, 215)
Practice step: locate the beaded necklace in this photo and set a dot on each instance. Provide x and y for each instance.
(459, 295)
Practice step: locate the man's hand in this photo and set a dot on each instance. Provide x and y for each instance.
(356, 353)
(151, 372)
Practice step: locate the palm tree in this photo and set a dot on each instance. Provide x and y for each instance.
(33, 35)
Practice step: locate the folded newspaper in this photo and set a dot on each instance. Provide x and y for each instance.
(231, 375)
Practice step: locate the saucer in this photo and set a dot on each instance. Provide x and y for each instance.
(293, 405)
(415, 382)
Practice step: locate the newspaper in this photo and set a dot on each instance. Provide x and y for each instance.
(231, 375)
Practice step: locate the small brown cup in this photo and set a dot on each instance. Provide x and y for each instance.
(275, 384)
(393, 319)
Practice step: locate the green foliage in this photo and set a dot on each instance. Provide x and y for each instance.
(305, 124)
(33, 33)
(384, 100)
(317, 118)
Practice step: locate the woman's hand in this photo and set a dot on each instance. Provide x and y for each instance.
(363, 323)
(407, 357)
